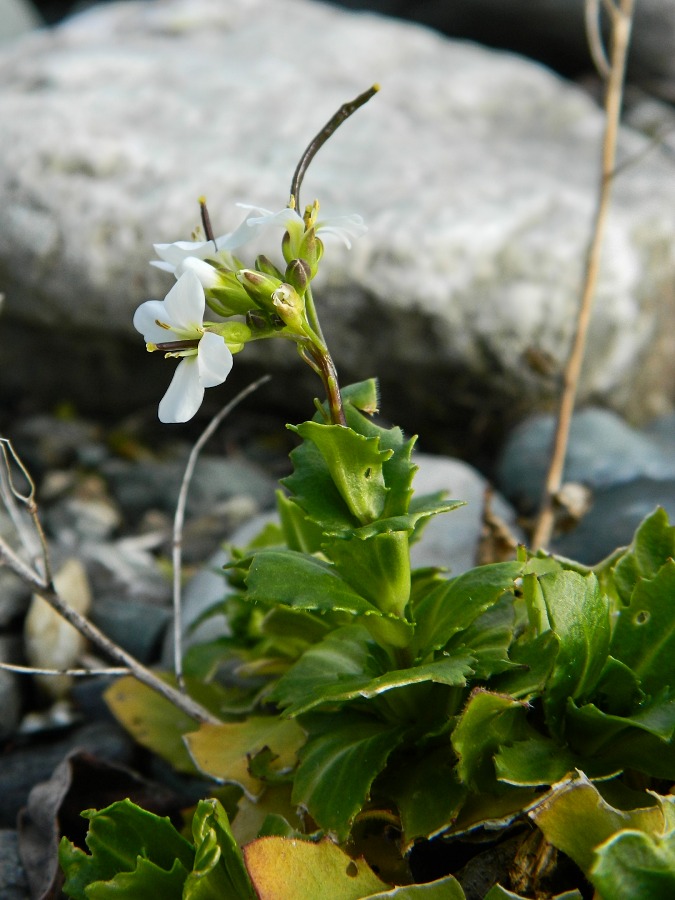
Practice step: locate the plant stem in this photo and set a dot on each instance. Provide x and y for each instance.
(621, 21)
(317, 142)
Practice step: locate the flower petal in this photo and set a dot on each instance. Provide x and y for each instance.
(145, 321)
(175, 253)
(184, 395)
(343, 227)
(214, 360)
(206, 273)
(185, 305)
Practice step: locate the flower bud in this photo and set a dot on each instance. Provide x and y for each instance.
(298, 274)
(259, 286)
(265, 265)
(229, 298)
(290, 306)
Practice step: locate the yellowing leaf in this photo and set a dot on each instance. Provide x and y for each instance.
(290, 869)
(225, 751)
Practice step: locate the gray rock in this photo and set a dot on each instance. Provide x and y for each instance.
(135, 626)
(13, 883)
(452, 540)
(614, 517)
(11, 700)
(476, 172)
(603, 450)
(16, 18)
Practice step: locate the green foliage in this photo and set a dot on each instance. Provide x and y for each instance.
(364, 689)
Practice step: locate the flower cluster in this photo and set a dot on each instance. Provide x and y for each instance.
(273, 303)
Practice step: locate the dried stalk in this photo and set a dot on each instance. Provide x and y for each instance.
(179, 519)
(620, 14)
(91, 632)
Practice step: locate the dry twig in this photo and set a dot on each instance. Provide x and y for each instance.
(620, 14)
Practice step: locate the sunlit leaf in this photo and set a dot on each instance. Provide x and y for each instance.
(633, 865)
(576, 819)
(224, 751)
(290, 869)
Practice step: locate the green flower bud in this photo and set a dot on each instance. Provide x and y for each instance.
(290, 306)
(311, 250)
(298, 274)
(265, 265)
(228, 298)
(259, 286)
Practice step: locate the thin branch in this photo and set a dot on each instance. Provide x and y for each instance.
(317, 142)
(620, 22)
(179, 519)
(46, 590)
(29, 670)
(594, 35)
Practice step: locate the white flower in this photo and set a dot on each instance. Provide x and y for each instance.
(173, 257)
(347, 228)
(206, 359)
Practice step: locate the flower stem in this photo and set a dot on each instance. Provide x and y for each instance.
(317, 142)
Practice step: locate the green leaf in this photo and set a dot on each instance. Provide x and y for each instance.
(632, 865)
(576, 819)
(644, 635)
(343, 755)
(287, 869)
(447, 888)
(427, 793)
(488, 639)
(355, 466)
(497, 892)
(147, 880)
(225, 751)
(117, 837)
(488, 721)
(579, 615)
(618, 689)
(299, 532)
(453, 606)
(609, 744)
(302, 582)
(219, 872)
(348, 664)
(378, 568)
(535, 761)
(652, 546)
(535, 658)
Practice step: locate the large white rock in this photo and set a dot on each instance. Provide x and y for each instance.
(475, 170)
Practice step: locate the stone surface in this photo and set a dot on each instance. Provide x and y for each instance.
(475, 170)
(603, 451)
(13, 883)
